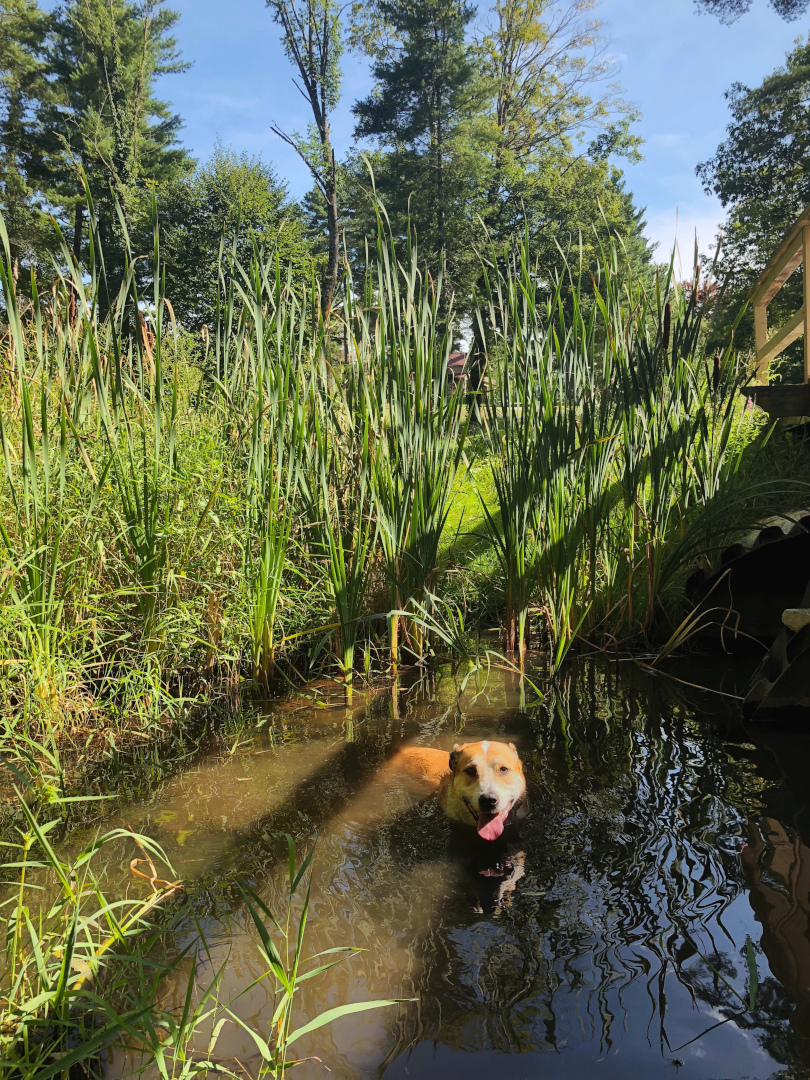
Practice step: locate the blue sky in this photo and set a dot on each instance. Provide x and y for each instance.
(674, 65)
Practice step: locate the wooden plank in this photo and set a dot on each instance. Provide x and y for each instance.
(785, 260)
(806, 235)
(781, 399)
(761, 339)
(773, 279)
(782, 338)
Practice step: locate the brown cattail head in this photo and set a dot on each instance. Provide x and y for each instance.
(667, 324)
(716, 373)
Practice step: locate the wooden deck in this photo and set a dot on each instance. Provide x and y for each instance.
(783, 399)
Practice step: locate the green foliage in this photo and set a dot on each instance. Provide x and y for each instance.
(758, 174)
(179, 515)
(419, 430)
(85, 973)
(341, 529)
(425, 95)
(283, 962)
(232, 202)
(65, 951)
(24, 85)
(728, 11)
(508, 131)
(81, 104)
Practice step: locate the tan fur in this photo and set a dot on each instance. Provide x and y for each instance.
(498, 773)
(422, 763)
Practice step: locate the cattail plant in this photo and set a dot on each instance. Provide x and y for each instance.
(514, 439)
(275, 350)
(139, 420)
(419, 428)
(338, 491)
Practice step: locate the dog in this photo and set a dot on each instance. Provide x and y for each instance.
(480, 784)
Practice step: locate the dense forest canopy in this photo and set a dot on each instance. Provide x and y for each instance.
(482, 125)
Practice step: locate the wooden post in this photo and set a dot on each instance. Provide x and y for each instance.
(760, 338)
(806, 272)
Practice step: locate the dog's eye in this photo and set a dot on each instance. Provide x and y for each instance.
(471, 770)
(504, 768)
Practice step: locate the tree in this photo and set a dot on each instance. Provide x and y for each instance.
(313, 42)
(234, 197)
(424, 90)
(555, 126)
(531, 134)
(728, 11)
(104, 119)
(759, 174)
(23, 85)
(545, 64)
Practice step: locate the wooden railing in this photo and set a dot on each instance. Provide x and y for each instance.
(794, 250)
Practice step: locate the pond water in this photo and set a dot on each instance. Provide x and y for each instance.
(607, 939)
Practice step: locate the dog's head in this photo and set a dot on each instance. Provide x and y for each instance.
(488, 779)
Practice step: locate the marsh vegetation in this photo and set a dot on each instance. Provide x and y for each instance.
(289, 494)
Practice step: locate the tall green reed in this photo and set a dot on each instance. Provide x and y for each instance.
(514, 441)
(612, 445)
(275, 353)
(403, 337)
(339, 492)
(281, 947)
(41, 549)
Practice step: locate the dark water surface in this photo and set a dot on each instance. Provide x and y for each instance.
(607, 940)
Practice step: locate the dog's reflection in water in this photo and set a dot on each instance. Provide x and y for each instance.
(489, 871)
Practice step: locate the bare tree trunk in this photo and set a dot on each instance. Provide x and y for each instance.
(440, 214)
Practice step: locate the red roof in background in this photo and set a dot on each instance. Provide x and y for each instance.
(457, 359)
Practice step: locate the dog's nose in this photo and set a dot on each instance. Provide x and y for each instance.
(487, 803)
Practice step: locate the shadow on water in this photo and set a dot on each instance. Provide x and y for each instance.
(608, 938)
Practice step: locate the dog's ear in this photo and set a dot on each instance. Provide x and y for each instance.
(512, 746)
(455, 754)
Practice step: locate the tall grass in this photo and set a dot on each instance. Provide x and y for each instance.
(273, 327)
(404, 338)
(341, 527)
(175, 508)
(63, 941)
(612, 445)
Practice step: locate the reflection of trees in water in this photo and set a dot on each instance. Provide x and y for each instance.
(632, 859)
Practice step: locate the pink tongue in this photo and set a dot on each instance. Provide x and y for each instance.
(490, 826)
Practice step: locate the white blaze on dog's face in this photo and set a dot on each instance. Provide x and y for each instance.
(488, 779)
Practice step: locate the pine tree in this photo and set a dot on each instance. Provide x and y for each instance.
(104, 119)
(23, 86)
(425, 89)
